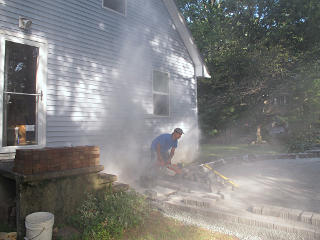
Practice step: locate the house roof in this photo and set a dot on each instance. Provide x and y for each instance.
(182, 28)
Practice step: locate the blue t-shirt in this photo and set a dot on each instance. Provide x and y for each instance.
(166, 142)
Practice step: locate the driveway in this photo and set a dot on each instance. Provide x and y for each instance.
(290, 183)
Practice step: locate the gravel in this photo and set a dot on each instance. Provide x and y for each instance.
(241, 231)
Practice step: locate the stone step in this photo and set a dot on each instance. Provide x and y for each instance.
(119, 187)
(104, 178)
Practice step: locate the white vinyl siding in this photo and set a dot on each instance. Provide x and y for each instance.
(100, 67)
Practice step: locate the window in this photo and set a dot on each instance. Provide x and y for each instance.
(115, 5)
(23, 87)
(160, 93)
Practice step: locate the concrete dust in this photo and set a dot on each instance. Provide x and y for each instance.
(282, 192)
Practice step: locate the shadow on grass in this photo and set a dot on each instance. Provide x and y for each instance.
(217, 151)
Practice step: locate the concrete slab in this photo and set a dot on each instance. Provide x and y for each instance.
(289, 183)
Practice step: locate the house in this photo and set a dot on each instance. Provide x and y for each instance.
(109, 73)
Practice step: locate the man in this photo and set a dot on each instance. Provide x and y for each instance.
(162, 144)
(160, 156)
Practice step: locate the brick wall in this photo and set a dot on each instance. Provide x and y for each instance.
(33, 161)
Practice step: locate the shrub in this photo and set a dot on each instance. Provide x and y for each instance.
(302, 140)
(105, 216)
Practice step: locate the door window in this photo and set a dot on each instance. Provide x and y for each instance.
(20, 96)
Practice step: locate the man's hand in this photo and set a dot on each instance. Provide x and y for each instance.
(161, 162)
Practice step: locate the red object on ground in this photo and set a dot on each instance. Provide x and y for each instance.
(174, 168)
(170, 166)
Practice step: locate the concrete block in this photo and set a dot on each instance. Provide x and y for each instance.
(119, 187)
(106, 178)
(291, 214)
(315, 220)
(212, 196)
(247, 221)
(272, 211)
(256, 209)
(306, 217)
(225, 196)
(196, 202)
(284, 228)
(295, 214)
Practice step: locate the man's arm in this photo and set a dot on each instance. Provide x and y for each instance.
(159, 157)
(171, 154)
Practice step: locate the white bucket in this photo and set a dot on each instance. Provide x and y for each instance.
(39, 226)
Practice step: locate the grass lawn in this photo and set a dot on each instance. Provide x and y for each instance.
(158, 227)
(210, 151)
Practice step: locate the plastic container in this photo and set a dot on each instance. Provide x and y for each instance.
(39, 226)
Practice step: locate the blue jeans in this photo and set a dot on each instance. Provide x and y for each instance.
(165, 156)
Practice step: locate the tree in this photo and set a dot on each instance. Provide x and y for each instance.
(252, 48)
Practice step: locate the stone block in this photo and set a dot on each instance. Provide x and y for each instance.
(272, 211)
(306, 217)
(315, 220)
(119, 187)
(196, 202)
(224, 196)
(104, 178)
(212, 196)
(256, 209)
(290, 214)
(295, 214)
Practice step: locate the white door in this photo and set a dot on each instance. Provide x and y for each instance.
(22, 97)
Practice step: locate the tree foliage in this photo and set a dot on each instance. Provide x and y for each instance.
(253, 49)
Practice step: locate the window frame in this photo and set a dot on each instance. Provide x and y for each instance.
(112, 10)
(41, 85)
(161, 93)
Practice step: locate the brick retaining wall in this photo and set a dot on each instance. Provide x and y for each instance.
(33, 161)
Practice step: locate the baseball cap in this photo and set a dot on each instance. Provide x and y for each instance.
(178, 130)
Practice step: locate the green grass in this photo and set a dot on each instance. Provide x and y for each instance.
(158, 227)
(210, 151)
